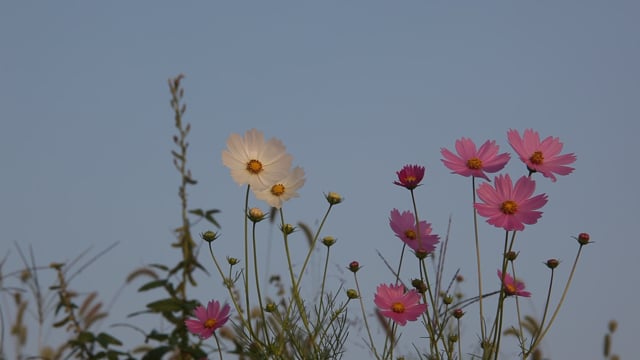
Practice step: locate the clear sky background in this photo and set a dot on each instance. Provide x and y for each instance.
(355, 90)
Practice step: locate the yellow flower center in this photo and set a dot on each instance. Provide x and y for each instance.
(537, 158)
(411, 234)
(277, 189)
(510, 289)
(474, 164)
(254, 166)
(210, 323)
(397, 308)
(409, 178)
(509, 207)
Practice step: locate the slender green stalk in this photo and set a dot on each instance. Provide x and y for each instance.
(521, 337)
(477, 240)
(313, 243)
(227, 284)
(255, 269)
(372, 345)
(215, 336)
(434, 333)
(246, 258)
(544, 314)
(564, 295)
(508, 245)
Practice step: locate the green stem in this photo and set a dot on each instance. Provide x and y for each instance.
(313, 243)
(477, 240)
(364, 317)
(564, 294)
(255, 269)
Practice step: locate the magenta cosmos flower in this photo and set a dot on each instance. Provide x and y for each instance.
(540, 156)
(398, 304)
(208, 319)
(510, 207)
(404, 226)
(513, 287)
(472, 162)
(410, 176)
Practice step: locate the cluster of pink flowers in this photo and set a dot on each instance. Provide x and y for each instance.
(504, 204)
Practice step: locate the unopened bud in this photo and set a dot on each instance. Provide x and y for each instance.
(333, 198)
(552, 263)
(459, 278)
(583, 238)
(453, 338)
(511, 255)
(354, 266)
(232, 261)
(419, 285)
(448, 300)
(209, 236)
(352, 294)
(328, 241)
(287, 229)
(255, 214)
(613, 325)
(271, 307)
(458, 313)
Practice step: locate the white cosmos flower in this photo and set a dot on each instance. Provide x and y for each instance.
(283, 189)
(254, 161)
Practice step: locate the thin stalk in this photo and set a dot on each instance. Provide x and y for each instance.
(255, 269)
(364, 317)
(544, 314)
(246, 257)
(477, 240)
(564, 294)
(313, 243)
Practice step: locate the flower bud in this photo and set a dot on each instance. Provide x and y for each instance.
(287, 229)
(613, 325)
(232, 261)
(419, 285)
(271, 307)
(552, 263)
(333, 198)
(328, 241)
(352, 294)
(459, 278)
(511, 255)
(583, 238)
(354, 266)
(256, 215)
(453, 338)
(458, 313)
(448, 300)
(209, 236)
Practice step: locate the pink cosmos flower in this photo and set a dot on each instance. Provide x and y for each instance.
(410, 176)
(472, 162)
(513, 287)
(208, 319)
(404, 226)
(541, 156)
(508, 206)
(398, 304)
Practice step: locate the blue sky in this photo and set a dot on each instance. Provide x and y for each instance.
(355, 90)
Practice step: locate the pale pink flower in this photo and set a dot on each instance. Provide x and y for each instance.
(513, 287)
(283, 189)
(541, 156)
(472, 162)
(410, 176)
(510, 207)
(208, 319)
(398, 304)
(404, 226)
(254, 161)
